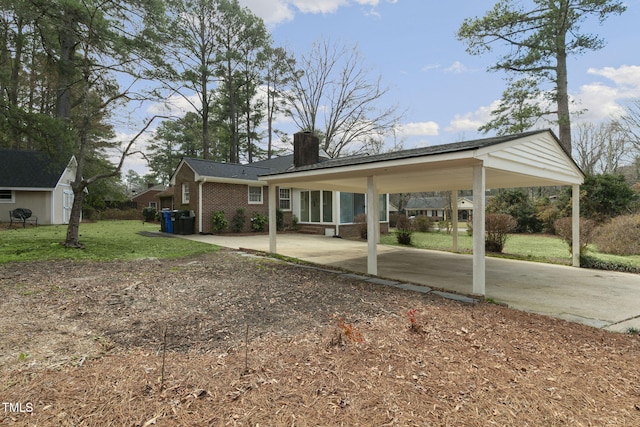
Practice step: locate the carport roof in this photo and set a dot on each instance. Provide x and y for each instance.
(527, 159)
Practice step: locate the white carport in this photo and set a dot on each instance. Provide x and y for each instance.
(529, 159)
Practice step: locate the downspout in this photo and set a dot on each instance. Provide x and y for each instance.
(200, 185)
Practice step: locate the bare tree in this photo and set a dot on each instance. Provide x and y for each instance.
(334, 97)
(601, 148)
(630, 123)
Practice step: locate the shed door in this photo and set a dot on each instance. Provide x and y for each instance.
(67, 203)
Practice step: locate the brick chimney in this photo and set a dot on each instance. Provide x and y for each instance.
(306, 149)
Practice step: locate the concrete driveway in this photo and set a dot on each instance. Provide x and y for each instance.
(603, 299)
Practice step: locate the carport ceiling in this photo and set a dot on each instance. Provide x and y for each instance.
(525, 160)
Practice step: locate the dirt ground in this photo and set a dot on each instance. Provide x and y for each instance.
(226, 339)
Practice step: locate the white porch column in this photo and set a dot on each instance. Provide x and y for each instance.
(479, 187)
(454, 219)
(372, 256)
(575, 224)
(272, 219)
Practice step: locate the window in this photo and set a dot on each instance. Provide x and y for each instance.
(285, 199)
(351, 205)
(185, 193)
(153, 205)
(354, 204)
(6, 196)
(316, 206)
(255, 195)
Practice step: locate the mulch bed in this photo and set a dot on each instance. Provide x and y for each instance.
(228, 339)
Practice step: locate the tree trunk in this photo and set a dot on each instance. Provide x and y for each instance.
(564, 118)
(73, 228)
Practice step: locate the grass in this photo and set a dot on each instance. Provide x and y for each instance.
(530, 247)
(104, 240)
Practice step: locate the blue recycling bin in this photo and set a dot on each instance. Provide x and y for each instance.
(166, 220)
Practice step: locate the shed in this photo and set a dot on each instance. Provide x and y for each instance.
(32, 180)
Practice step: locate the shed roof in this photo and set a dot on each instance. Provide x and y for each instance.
(21, 169)
(533, 158)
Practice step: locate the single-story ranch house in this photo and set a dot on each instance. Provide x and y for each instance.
(205, 187)
(439, 208)
(30, 180)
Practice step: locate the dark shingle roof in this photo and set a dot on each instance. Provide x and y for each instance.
(276, 164)
(415, 152)
(28, 169)
(225, 170)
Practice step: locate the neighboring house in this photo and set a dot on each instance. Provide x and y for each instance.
(29, 179)
(205, 186)
(165, 199)
(148, 197)
(439, 208)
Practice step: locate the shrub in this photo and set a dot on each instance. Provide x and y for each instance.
(497, 229)
(563, 229)
(149, 213)
(238, 220)
(445, 225)
(587, 261)
(423, 223)
(294, 223)
(218, 221)
(404, 230)
(621, 236)
(258, 222)
(361, 220)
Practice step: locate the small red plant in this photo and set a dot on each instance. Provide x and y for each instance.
(411, 314)
(350, 331)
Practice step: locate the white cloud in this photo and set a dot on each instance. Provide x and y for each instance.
(272, 11)
(627, 77)
(418, 129)
(473, 120)
(430, 67)
(318, 6)
(603, 101)
(457, 68)
(276, 11)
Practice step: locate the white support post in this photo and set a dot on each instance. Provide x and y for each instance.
(454, 219)
(272, 219)
(575, 225)
(372, 255)
(479, 268)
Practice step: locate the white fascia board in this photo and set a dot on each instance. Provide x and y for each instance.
(365, 169)
(217, 179)
(28, 188)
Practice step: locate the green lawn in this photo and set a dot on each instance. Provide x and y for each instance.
(534, 247)
(104, 240)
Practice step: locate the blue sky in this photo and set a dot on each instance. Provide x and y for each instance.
(447, 94)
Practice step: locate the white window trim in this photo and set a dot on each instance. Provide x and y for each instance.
(286, 198)
(254, 202)
(12, 199)
(185, 194)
